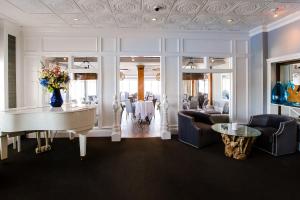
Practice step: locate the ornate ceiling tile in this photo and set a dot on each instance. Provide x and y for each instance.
(103, 19)
(126, 6)
(204, 19)
(250, 8)
(219, 7)
(175, 14)
(30, 6)
(62, 6)
(188, 7)
(254, 20)
(179, 19)
(128, 19)
(93, 6)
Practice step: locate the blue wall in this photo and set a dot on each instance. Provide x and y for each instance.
(284, 40)
(279, 42)
(258, 73)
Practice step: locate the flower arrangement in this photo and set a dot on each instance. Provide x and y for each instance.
(53, 77)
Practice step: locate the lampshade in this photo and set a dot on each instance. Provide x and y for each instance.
(296, 79)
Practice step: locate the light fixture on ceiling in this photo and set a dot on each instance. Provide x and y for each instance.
(157, 77)
(76, 19)
(275, 12)
(85, 64)
(229, 20)
(191, 64)
(122, 76)
(154, 19)
(132, 59)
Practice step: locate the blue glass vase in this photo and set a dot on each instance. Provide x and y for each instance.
(56, 99)
(279, 95)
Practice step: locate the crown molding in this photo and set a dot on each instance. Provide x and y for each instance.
(275, 25)
(257, 30)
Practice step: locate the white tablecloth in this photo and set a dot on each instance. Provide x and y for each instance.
(144, 109)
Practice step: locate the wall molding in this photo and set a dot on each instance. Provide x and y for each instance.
(275, 25)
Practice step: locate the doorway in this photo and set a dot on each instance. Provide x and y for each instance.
(207, 84)
(140, 95)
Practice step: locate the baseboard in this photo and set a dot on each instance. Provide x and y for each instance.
(173, 128)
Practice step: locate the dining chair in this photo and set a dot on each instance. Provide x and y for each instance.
(129, 108)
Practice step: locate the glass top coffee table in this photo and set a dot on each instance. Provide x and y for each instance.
(238, 143)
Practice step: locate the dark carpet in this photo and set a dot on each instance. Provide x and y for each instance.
(145, 169)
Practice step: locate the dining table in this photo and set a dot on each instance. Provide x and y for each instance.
(144, 110)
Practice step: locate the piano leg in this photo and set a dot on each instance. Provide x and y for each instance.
(82, 145)
(14, 143)
(3, 147)
(19, 143)
(38, 139)
(71, 135)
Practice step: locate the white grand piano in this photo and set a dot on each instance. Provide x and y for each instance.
(78, 119)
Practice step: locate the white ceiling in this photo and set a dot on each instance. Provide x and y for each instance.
(177, 14)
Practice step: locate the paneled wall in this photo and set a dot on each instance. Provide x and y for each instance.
(109, 46)
(284, 40)
(11, 80)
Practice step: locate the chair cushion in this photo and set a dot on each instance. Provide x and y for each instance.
(265, 140)
(266, 131)
(203, 126)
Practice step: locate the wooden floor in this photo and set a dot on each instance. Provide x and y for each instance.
(131, 129)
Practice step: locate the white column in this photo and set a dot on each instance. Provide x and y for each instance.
(164, 128)
(116, 129)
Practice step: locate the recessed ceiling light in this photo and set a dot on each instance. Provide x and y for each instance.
(229, 20)
(153, 19)
(76, 19)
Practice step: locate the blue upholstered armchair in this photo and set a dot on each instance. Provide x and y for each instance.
(279, 133)
(194, 128)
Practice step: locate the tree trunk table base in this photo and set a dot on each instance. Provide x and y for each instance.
(237, 147)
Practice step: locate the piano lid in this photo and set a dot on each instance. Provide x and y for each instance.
(65, 108)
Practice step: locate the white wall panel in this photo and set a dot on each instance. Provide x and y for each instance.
(172, 45)
(108, 44)
(146, 45)
(32, 44)
(206, 46)
(171, 84)
(241, 47)
(70, 44)
(32, 91)
(108, 89)
(241, 89)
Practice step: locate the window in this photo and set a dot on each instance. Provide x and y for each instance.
(225, 86)
(219, 63)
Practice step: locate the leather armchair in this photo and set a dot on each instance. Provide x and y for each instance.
(194, 128)
(278, 133)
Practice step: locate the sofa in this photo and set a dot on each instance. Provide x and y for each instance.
(194, 127)
(278, 133)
